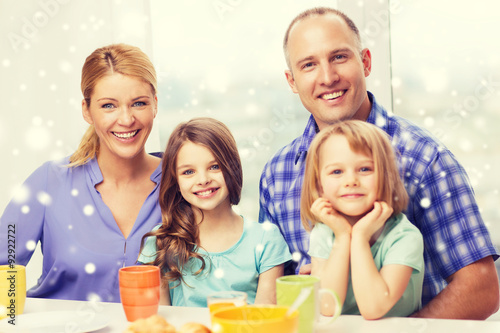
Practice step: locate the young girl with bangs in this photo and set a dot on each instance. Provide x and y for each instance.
(361, 245)
(203, 245)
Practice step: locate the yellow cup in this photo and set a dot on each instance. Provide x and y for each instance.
(225, 299)
(12, 290)
(255, 319)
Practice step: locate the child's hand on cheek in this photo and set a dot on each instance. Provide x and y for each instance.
(324, 212)
(369, 224)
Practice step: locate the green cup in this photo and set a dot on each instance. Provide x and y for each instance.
(288, 289)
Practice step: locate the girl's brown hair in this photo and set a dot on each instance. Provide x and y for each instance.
(178, 237)
(363, 138)
(117, 58)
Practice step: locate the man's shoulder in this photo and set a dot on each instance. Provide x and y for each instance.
(285, 153)
(407, 135)
(403, 132)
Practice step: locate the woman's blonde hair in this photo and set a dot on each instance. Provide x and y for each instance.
(178, 236)
(363, 138)
(117, 58)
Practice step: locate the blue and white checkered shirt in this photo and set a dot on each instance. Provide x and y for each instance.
(442, 203)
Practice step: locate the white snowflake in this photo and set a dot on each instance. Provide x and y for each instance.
(429, 121)
(267, 225)
(88, 210)
(396, 82)
(405, 135)
(259, 248)
(25, 209)
(296, 256)
(150, 294)
(380, 122)
(217, 328)
(425, 203)
(90, 268)
(219, 273)
(93, 297)
(44, 198)
(30, 245)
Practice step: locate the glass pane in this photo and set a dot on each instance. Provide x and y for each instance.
(224, 59)
(445, 67)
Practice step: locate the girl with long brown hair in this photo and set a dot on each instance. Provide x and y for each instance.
(203, 245)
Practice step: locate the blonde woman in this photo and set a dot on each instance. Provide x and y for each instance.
(90, 210)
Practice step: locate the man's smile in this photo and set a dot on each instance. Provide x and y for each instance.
(332, 95)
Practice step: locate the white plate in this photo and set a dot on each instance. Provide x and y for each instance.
(56, 322)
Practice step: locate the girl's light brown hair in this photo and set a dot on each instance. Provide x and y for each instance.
(117, 58)
(363, 138)
(178, 237)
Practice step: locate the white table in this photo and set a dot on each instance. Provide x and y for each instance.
(344, 324)
(113, 311)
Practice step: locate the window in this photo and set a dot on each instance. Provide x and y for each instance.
(445, 78)
(224, 59)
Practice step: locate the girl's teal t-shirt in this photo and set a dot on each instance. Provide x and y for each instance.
(400, 243)
(260, 248)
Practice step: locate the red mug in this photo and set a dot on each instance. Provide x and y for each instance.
(139, 291)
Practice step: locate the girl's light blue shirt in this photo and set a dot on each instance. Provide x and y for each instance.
(260, 248)
(400, 243)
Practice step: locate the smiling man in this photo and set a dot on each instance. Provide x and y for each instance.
(327, 68)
